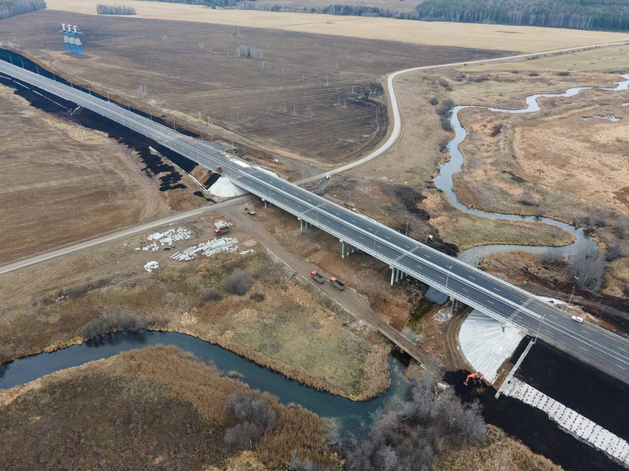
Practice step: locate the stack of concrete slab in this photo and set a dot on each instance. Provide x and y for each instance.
(571, 421)
(486, 343)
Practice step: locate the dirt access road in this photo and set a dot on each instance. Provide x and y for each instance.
(396, 116)
(350, 300)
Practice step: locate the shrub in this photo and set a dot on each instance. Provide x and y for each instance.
(238, 282)
(533, 74)
(480, 79)
(258, 297)
(118, 321)
(445, 84)
(210, 294)
(434, 101)
(250, 406)
(551, 258)
(563, 74)
(242, 436)
(444, 114)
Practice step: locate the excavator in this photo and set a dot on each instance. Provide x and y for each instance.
(475, 377)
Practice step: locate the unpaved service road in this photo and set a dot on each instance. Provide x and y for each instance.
(119, 234)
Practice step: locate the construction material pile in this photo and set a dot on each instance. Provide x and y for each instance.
(209, 248)
(149, 267)
(168, 238)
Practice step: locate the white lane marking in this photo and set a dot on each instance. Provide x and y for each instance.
(465, 289)
(620, 348)
(491, 302)
(586, 332)
(496, 289)
(471, 277)
(583, 348)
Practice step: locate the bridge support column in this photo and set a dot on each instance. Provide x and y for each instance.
(392, 275)
(453, 306)
(342, 249)
(301, 225)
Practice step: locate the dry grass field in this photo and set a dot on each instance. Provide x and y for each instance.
(156, 408)
(60, 183)
(572, 164)
(283, 326)
(512, 38)
(312, 96)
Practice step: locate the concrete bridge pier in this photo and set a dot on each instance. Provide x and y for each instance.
(342, 249)
(393, 270)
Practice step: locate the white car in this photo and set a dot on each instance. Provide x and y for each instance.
(577, 319)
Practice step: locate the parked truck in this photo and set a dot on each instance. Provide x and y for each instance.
(338, 284)
(221, 231)
(318, 278)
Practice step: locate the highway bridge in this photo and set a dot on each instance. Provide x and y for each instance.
(598, 347)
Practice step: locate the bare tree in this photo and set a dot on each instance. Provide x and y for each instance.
(588, 267)
(408, 440)
(297, 464)
(250, 406)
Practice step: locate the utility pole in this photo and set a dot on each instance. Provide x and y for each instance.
(448, 275)
(539, 328)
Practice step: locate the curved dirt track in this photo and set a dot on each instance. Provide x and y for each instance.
(396, 119)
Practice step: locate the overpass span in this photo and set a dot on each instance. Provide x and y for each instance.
(598, 347)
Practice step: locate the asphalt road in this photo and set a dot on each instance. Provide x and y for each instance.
(598, 347)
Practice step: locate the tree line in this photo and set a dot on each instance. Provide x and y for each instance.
(114, 10)
(576, 14)
(9, 8)
(207, 3)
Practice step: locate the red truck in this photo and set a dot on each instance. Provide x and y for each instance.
(221, 231)
(318, 278)
(338, 284)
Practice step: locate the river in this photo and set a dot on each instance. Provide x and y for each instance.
(348, 415)
(443, 181)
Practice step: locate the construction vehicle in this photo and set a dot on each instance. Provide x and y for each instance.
(219, 169)
(338, 284)
(475, 377)
(250, 211)
(318, 278)
(221, 231)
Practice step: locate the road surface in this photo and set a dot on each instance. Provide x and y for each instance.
(496, 298)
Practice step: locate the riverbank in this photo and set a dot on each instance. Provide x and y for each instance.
(171, 405)
(277, 323)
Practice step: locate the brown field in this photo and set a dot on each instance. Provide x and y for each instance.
(512, 38)
(502, 454)
(308, 98)
(290, 330)
(59, 185)
(63, 182)
(156, 408)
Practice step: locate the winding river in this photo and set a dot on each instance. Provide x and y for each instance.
(348, 415)
(443, 181)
